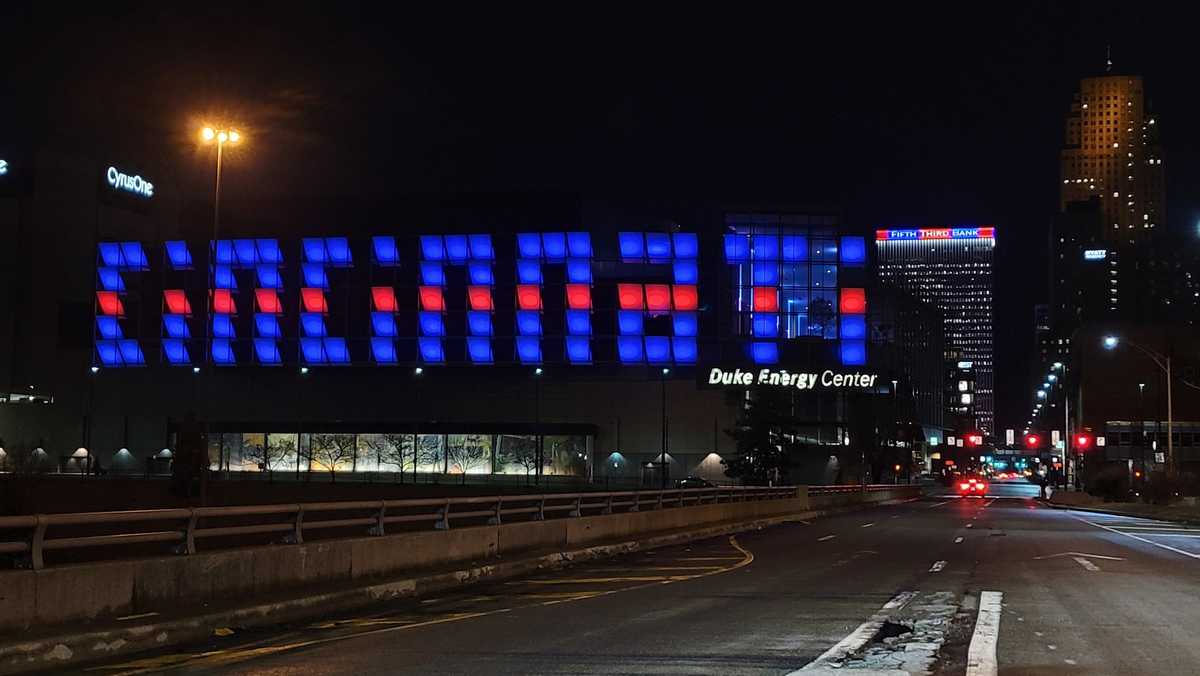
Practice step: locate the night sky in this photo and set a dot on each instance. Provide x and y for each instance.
(900, 116)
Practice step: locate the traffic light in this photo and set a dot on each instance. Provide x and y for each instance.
(1032, 440)
(1083, 441)
(974, 439)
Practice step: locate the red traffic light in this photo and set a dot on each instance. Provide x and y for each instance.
(974, 439)
(1032, 440)
(1083, 441)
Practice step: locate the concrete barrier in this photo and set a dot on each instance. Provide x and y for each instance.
(84, 592)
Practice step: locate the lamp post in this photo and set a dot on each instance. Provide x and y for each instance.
(220, 137)
(537, 424)
(663, 467)
(1163, 362)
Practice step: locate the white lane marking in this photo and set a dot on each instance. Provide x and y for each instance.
(937, 566)
(867, 525)
(1166, 529)
(939, 504)
(1087, 565)
(1142, 539)
(1077, 555)
(989, 502)
(827, 537)
(859, 637)
(958, 540)
(1071, 662)
(1052, 647)
(895, 516)
(981, 655)
(970, 525)
(1172, 535)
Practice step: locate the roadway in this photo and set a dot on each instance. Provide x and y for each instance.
(1061, 592)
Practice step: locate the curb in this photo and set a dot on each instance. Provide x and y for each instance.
(57, 652)
(1132, 515)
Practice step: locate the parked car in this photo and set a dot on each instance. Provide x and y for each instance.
(694, 482)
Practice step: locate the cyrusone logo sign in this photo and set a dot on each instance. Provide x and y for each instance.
(827, 379)
(131, 184)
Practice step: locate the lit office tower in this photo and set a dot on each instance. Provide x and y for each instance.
(950, 268)
(1112, 152)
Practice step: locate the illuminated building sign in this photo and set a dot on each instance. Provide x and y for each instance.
(935, 233)
(770, 377)
(3, 167)
(132, 184)
(1095, 254)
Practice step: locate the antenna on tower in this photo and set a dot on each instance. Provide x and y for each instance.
(1108, 58)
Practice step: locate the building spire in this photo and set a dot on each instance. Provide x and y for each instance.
(1108, 58)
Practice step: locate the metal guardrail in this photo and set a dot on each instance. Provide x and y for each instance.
(855, 488)
(184, 527)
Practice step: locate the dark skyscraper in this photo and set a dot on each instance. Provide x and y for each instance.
(950, 268)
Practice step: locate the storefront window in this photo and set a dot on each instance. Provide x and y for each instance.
(430, 454)
(469, 454)
(385, 453)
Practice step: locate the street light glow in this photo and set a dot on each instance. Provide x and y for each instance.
(234, 136)
(207, 134)
(537, 371)
(418, 371)
(222, 137)
(1110, 342)
(1057, 365)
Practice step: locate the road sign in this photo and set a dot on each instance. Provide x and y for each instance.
(1010, 437)
(1055, 437)
(1100, 441)
(1160, 457)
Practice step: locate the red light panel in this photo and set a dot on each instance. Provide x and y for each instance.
(658, 297)
(529, 297)
(110, 303)
(881, 235)
(579, 296)
(314, 300)
(686, 297)
(177, 302)
(432, 299)
(630, 296)
(987, 232)
(384, 299)
(480, 297)
(766, 299)
(268, 301)
(222, 302)
(853, 301)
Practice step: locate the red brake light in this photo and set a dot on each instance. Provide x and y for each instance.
(964, 486)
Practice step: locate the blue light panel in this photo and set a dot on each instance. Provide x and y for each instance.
(314, 276)
(268, 276)
(175, 326)
(268, 251)
(222, 352)
(431, 324)
(222, 326)
(110, 254)
(579, 350)
(312, 324)
(529, 349)
(686, 272)
(131, 352)
(529, 323)
(431, 350)
(795, 248)
(479, 323)
(633, 246)
(245, 251)
(766, 273)
(854, 327)
(529, 271)
(339, 251)
(266, 351)
(383, 324)
(432, 274)
(686, 324)
(456, 248)
(110, 279)
(766, 248)
(764, 353)
(108, 352)
(554, 244)
(685, 350)
(579, 322)
(224, 252)
(658, 246)
(854, 352)
(629, 349)
(383, 350)
(529, 245)
(766, 325)
(267, 325)
(686, 245)
(658, 349)
(481, 247)
(579, 244)
(178, 255)
(480, 274)
(223, 278)
(385, 250)
(431, 248)
(311, 351)
(133, 256)
(109, 328)
(314, 250)
(579, 271)
(737, 248)
(176, 352)
(854, 250)
(336, 351)
(479, 350)
(629, 323)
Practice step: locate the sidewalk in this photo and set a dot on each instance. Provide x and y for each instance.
(1181, 513)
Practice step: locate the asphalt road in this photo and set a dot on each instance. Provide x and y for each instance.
(1072, 593)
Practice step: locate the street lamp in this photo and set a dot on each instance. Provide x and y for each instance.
(1163, 362)
(220, 137)
(663, 466)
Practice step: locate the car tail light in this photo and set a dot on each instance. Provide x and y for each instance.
(964, 486)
